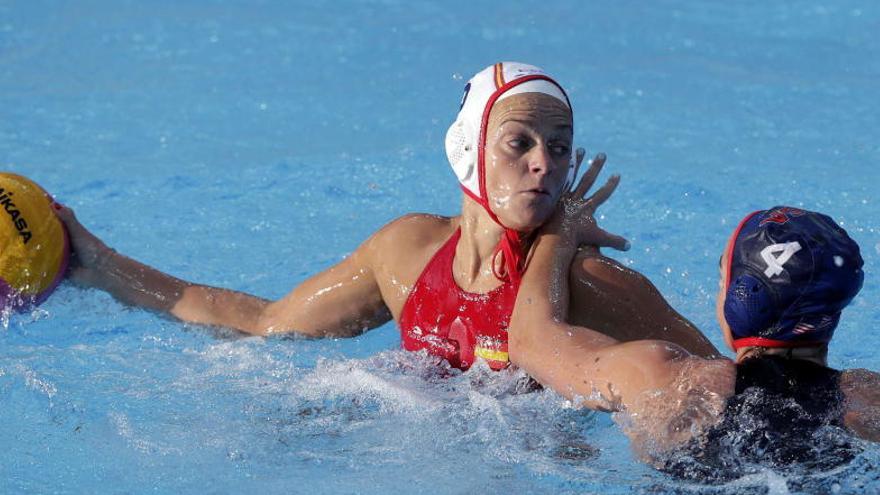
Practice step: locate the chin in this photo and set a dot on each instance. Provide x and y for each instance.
(527, 221)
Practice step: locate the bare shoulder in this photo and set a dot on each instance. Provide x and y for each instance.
(413, 231)
(620, 302)
(423, 224)
(401, 249)
(860, 375)
(399, 252)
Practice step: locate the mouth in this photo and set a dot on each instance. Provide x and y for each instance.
(537, 191)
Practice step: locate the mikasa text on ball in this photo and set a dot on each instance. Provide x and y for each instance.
(34, 247)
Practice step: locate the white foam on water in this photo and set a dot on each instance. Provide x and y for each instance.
(354, 379)
(140, 442)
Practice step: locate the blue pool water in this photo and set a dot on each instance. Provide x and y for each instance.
(247, 144)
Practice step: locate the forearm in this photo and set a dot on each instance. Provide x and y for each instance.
(543, 294)
(666, 394)
(341, 301)
(137, 284)
(577, 362)
(558, 355)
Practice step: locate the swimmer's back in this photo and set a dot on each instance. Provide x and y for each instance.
(813, 387)
(786, 413)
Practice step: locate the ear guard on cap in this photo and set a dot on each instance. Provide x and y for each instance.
(748, 307)
(461, 151)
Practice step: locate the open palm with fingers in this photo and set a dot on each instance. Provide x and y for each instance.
(575, 220)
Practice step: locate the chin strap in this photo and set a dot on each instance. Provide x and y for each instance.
(511, 248)
(513, 262)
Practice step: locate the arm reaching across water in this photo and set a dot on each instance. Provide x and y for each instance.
(668, 394)
(341, 301)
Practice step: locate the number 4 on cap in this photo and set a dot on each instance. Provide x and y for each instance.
(774, 265)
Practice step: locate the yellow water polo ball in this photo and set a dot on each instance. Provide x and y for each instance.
(34, 247)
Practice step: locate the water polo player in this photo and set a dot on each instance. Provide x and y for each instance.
(786, 276)
(449, 283)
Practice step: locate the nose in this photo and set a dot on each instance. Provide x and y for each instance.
(540, 161)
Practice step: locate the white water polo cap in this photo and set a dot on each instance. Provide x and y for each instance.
(466, 137)
(466, 145)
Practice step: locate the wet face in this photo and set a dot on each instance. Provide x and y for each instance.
(528, 149)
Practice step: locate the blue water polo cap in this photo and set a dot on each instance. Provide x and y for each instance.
(790, 273)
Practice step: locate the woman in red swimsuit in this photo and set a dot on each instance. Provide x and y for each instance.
(449, 283)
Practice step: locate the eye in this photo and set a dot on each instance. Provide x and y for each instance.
(559, 149)
(518, 143)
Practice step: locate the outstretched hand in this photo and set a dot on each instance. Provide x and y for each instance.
(574, 218)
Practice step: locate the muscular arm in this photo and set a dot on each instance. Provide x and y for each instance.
(669, 394)
(625, 305)
(341, 301)
(578, 361)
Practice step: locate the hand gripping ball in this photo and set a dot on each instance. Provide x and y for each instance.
(34, 247)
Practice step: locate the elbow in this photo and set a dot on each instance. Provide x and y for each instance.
(652, 363)
(660, 351)
(266, 323)
(259, 326)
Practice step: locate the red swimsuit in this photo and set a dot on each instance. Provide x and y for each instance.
(456, 325)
